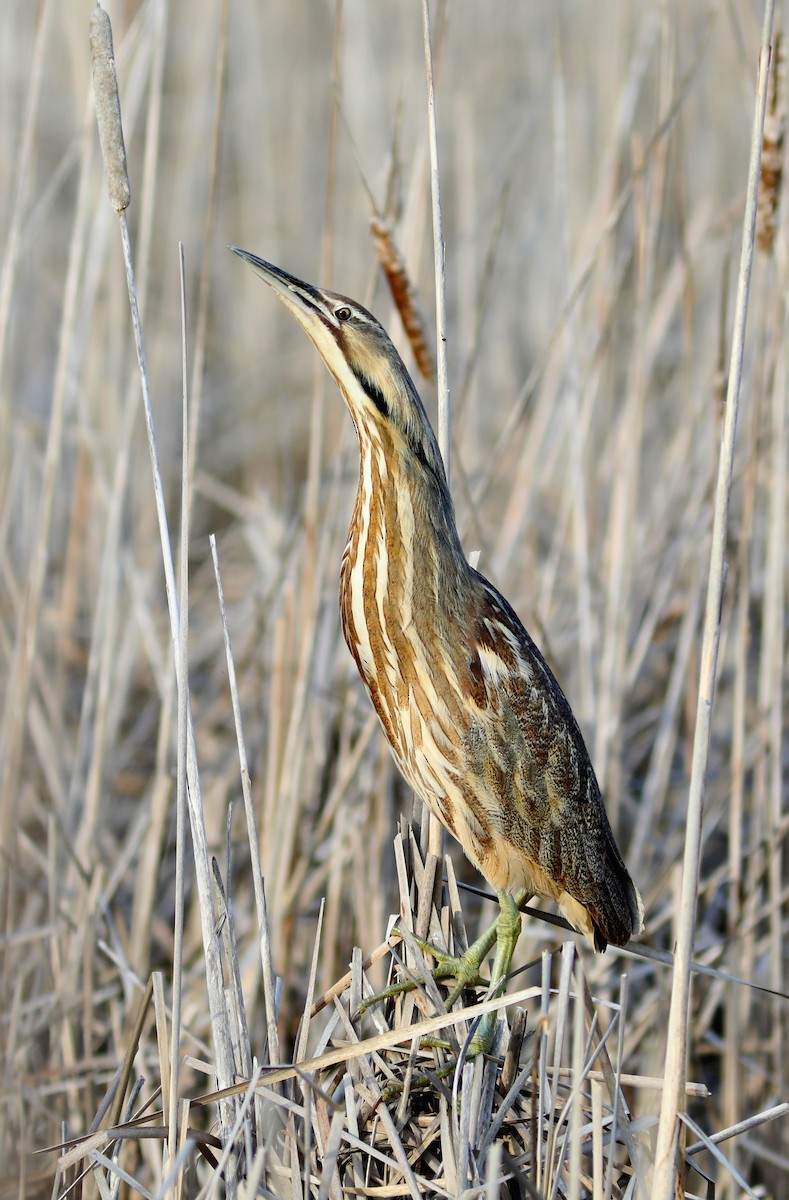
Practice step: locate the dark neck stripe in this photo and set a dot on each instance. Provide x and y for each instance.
(417, 440)
(372, 392)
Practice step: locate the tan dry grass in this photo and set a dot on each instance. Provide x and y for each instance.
(593, 179)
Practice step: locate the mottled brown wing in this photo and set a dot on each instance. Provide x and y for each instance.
(555, 811)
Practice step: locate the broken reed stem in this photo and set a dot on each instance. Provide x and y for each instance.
(666, 1154)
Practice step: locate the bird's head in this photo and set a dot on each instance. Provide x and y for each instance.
(362, 358)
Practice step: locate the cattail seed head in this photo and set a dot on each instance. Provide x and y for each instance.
(404, 296)
(108, 110)
(772, 164)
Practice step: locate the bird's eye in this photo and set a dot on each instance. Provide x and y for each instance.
(343, 314)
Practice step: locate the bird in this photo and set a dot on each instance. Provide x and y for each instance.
(474, 716)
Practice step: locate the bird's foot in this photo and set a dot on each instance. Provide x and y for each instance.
(463, 968)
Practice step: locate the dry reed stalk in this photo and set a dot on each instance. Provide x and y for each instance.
(108, 111)
(667, 1150)
(442, 373)
(264, 933)
(172, 1094)
(444, 433)
(103, 650)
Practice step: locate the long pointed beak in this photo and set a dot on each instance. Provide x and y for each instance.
(300, 297)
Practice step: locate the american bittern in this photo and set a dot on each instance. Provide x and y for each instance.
(477, 723)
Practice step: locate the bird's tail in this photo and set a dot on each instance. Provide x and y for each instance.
(615, 917)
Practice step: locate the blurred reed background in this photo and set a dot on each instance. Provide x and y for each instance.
(593, 166)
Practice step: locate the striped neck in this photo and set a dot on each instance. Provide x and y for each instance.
(403, 561)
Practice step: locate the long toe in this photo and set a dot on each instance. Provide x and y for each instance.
(463, 968)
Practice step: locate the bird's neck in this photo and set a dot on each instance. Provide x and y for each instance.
(403, 560)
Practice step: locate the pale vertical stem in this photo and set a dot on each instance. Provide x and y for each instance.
(219, 1021)
(438, 251)
(182, 653)
(144, 896)
(108, 114)
(435, 838)
(315, 452)
(677, 1035)
(95, 719)
(269, 987)
(470, 280)
(575, 1115)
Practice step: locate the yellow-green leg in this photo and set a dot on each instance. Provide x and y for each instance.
(506, 932)
(465, 968)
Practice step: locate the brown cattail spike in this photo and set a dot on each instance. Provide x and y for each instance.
(108, 110)
(404, 296)
(772, 150)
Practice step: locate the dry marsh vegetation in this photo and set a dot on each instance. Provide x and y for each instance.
(594, 166)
